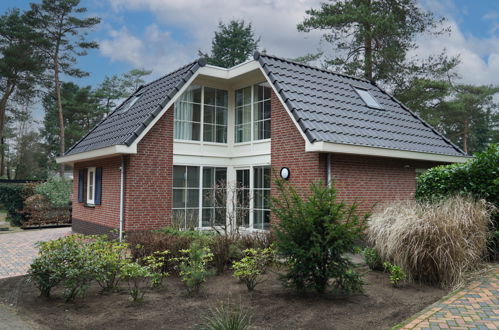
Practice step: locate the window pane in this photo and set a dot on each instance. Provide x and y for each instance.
(266, 129)
(221, 134)
(208, 177)
(196, 113)
(178, 198)
(209, 133)
(192, 94)
(178, 218)
(207, 217)
(266, 177)
(209, 96)
(222, 97)
(258, 219)
(368, 98)
(208, 197)
(209, 114)
(192, 176)
(267, 91)
(191, 218)
(266, 110)
(192, 198)
(221, 116)
(239, 97)
(195, 132)
(221, 176)
(257, 177)
(179, 176)
(247, 95)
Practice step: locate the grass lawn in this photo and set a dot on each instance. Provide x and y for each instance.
(271, 306)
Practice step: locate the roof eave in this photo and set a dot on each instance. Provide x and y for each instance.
(330, 147)
(107, 152)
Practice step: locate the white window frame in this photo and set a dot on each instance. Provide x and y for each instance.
(91, 183)
(368, 98)
(253, 122)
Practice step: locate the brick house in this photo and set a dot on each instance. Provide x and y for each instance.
(154, 160)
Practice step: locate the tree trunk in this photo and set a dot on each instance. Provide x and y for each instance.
(59, 110)
(3, 107)
(465, 135)
(368, 49)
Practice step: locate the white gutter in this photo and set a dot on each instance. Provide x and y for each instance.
(328, 170)
(115, 150)
(381, 152)
(122, 195)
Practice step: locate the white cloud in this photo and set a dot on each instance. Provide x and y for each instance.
(274, 20)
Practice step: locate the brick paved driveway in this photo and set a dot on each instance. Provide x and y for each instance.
(475, 307)
(18, 249)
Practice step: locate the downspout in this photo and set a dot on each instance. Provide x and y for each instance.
(122, 193)
(328, 170)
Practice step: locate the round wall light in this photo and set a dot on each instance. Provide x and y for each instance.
(285, 173)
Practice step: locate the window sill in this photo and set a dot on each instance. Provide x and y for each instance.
(89, 205)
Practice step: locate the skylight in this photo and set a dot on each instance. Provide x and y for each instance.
(368, 98)
(131, 103)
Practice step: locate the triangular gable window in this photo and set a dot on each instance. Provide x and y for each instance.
(368, 99)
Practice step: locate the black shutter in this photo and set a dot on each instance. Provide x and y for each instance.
(81, 185)
(98, 185)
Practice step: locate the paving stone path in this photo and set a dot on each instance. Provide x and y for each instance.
(476, 307)
(17, 250)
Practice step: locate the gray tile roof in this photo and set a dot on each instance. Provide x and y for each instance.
(327, 108)
(123, 127)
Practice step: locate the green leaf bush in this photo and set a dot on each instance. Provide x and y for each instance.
(137, 276)
(194, 267)
(255, 263)
(313, 235)
(226, 316)
(57, 190)
(372, 259)
(12, 197)
(396, 273)
(479, 178)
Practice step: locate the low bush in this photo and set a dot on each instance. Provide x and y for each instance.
(253, 265)
(396, 273)
(57, 191)
(227, 317)
(39, 211)
(372, 259)
(479, 178)
(156, 265)
(137, 276)
(434, 242)
(12, 197)
(313, 235)
(193, 266)
(67, 261)
(110, 256)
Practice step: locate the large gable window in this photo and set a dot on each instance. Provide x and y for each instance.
(253, 113)
(368, 99)
(201, 114)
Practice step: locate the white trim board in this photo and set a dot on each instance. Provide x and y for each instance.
(106, 152)
(380, 152)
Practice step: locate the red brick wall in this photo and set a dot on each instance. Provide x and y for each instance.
(288, 150)
(372, 180)
(108, 213)
(148, 190)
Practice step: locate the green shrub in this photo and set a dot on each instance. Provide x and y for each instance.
(110, 256)
(227, 317)
(156, 264)
(137, 277)
(57, 190)
(67, 261)
(434, 242)
(194, 266)
(372, 259)
(313, 235)
(396, 273)
(12, 197)
(479, 177)
(254, 264)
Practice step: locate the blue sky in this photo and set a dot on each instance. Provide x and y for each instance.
(163, 34)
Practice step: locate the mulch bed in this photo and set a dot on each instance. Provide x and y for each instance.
(271, 305)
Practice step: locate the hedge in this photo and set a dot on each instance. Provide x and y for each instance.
(12, 197)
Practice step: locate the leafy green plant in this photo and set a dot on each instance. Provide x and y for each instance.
(253, 265)
(57, 190)
(396, 273)
(194, 266)
(372, 259)
(313, 235)
(110, 256)
(12, 198)
(137, 277)
(227, 317)
(67, 261)
(156, 263)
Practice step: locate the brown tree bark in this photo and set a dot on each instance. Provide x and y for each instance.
(465, 135)
(59, 111)
(3, 107)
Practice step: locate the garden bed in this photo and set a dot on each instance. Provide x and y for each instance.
(271, 306)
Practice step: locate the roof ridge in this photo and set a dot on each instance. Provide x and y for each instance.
(257, 54)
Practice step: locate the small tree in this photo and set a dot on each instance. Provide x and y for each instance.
(233, 44)
(313, 235)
